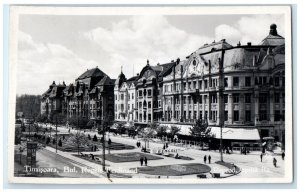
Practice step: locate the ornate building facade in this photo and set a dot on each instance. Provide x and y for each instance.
(91, 97)
(240, 88)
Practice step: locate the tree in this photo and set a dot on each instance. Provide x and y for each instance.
(95, 138)
(42, 118)
(90, 124)
(79, 122)
(89, 137)
(161, 130)
(174, 131)
(18, 135)
(200, 130)
(148, 132)
(79, 140)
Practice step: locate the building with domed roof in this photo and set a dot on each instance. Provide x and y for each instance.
(240, 88)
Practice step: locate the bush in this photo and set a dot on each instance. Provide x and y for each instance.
(59, 143)
(53, 141)
(95, 138)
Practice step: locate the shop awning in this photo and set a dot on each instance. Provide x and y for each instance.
(236, 133)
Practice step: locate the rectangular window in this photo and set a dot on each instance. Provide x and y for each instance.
(263, 98)
(200, 99)
(277, 98)
(210, 82)
(200, 84)
(149, 117)
(189, 99)
(184, 86)
(205, 84)
(236, 81)
(225, 82)
(236, 116)
(277, 116)
(236, 98)
(225, 98)
(140, 93)
(140, 105)
(189, 85)
(247, 81)
(149, 93)
(225, 115)
(276, 81)
(248, 116)
(262, 115)
(248, 98)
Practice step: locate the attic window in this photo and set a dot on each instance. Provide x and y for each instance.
(194, 62)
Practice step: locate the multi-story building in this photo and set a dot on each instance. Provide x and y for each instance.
(91, 97)
(125, 99)
(149, 92)
(240, 88)
(52, 99)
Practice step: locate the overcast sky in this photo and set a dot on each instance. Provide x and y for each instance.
(57, 48)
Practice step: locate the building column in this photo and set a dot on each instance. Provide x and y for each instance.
(256, 107)
(173, 108)
(242, 107)
(203, 107)
(230, 109)
(271, 106)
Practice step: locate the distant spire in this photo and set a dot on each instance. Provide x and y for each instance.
(121, 69)
(148, 62)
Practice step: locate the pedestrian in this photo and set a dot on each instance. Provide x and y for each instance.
(205, 159)
(261, 157)
(282, 155)
(137, 144)
(164, 147)
(167, 145)
(274, 162)
(108, 174)
(146, 161)
(209, 159)
(141, 160)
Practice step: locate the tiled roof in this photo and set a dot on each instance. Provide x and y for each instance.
(95, 72)
(106, 81)
(213, 46)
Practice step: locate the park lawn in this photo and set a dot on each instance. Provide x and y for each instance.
(175, 170)
(125, 157)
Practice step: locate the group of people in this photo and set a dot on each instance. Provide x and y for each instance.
(144, 160)
(207, 158)
(274, 159)
(165, 146)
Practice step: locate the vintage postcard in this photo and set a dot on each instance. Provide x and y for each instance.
(137, 95)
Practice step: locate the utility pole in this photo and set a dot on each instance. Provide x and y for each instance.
(56, 134)
(221, 102)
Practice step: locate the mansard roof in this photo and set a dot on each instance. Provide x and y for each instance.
(222, 44)
(94, 72)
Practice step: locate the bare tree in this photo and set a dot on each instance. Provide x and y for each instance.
(78, 139)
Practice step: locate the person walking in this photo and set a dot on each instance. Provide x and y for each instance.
(137, 144)
(141, 160)
(209, 159)
(261, 157)
(274, 162)
(282, 155)
(204, 159)
(146, 161)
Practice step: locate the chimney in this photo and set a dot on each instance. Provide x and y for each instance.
(249, 44)
(147, 62)
(172, 60)
(223, 40)
(178, 61)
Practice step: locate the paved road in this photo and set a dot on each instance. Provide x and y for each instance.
(48, 159)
